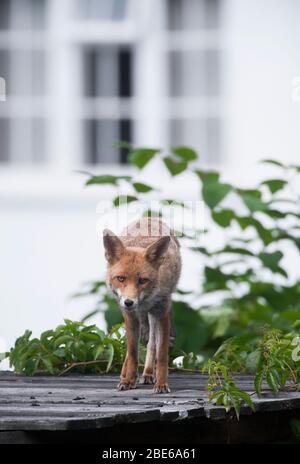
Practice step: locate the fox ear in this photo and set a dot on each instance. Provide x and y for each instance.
(114, 247)
(155, 252)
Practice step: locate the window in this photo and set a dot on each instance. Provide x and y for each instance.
(194, 59)
(107, 92)
(23, 66)
(81, 74)
(193, 14)
(103, 10)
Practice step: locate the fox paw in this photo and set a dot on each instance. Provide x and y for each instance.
(147, 379)
(161, 388)
(126, 385)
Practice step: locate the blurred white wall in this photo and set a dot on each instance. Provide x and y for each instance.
(262, 59)
(48, 239)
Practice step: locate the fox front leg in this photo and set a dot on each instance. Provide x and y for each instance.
(148, 373)
(162, 353)
(129, 370)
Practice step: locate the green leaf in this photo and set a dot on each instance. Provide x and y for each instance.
(224, 217)
(222, 326)
(236, 405)
(235, 250)
(46, 335)
(48, 365)
(254, 203)
(3, 356)
(214, 192)
(142, 188)
(98, 352)
(272, 380)
(173, 166)
(245, 397)
(263, 233)
(107, 179)
(90, 337)
(140, 157)
(295, 167)
(271, 161)
(113, 314)
(111, 353)
(258, 382)
(271, 261)
(202, 250)
(275, 214)
(123, 200)
(274, 185)
(185, 153)
(62, 340)
(253, 360)
(215, 279)
(190, 329)
(183, 292)
(169, 202)
(60, 352)
(32, 366)
(208, 176)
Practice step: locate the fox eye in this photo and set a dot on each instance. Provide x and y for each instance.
(143, 280)
(120, 278)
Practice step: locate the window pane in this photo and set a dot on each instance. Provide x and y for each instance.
(4, 14)
(125, 136)
(212, 14)
(192, 14)
(101, 77)
(27, 73)
(99, 136)
(202, 134)
(190, 132)
(125, 72)
(27, 140)
(188, 14)
(28, 14)
(194, 73)
(107, 72)
(187, 73)
(212, 72)
(4, 140)
(103, 9)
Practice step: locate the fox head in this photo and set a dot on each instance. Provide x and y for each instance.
(133, 271)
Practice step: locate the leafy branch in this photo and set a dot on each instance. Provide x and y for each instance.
(222, 388)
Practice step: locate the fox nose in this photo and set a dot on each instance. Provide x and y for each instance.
(128, 302)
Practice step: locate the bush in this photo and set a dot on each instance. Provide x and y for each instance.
(245, 275)
(253, 327)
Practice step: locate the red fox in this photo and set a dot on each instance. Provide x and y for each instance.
(144, 265)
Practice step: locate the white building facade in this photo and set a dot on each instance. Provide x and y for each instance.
(218, 75)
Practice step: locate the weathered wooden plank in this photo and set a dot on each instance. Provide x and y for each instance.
(79, 402)
(107, 419)
(70, 410)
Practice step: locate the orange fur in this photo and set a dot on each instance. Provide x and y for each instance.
(143, 270)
